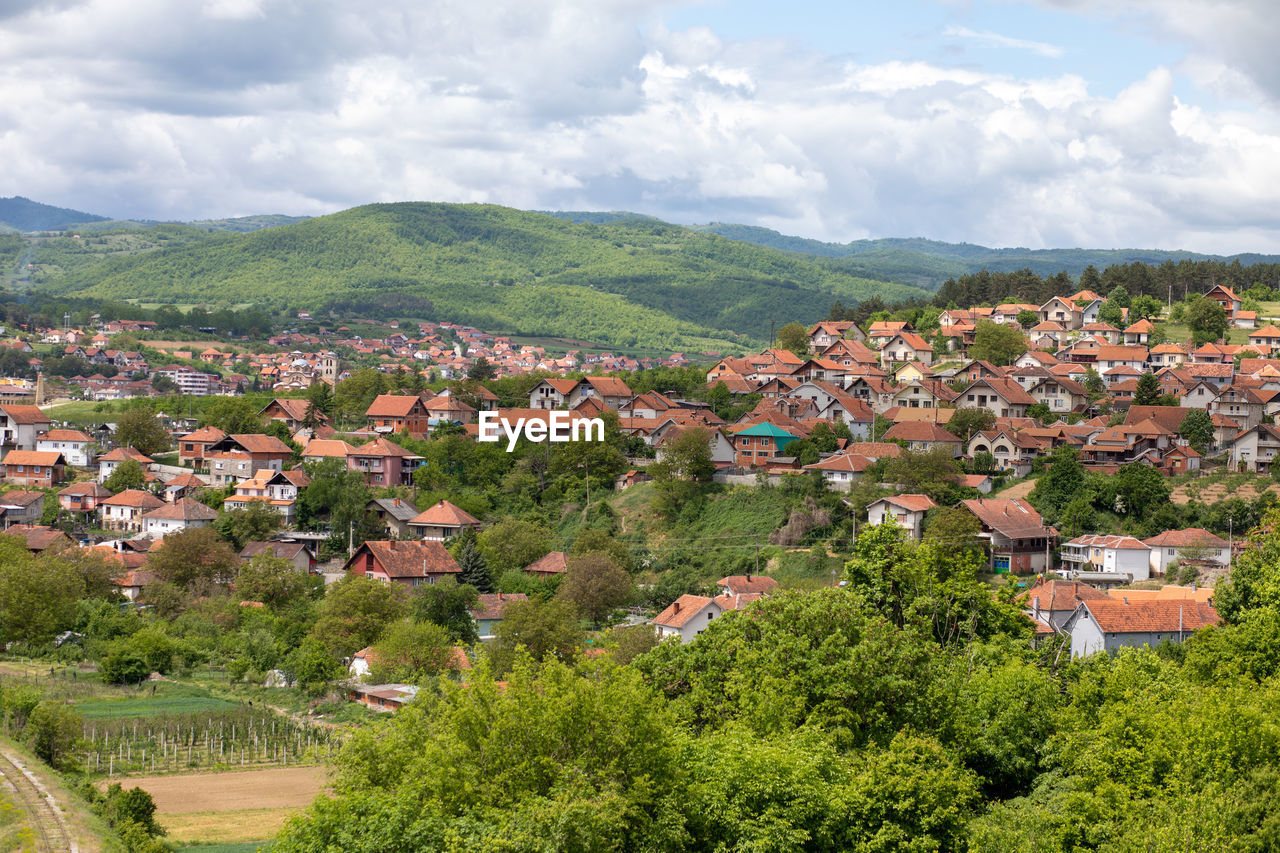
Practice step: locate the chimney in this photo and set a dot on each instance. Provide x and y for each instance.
(1126, 600)
(675, 607)
(397, 502)
(393, 544)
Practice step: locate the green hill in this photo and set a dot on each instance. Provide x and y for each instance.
(928, 263)
(23, 214)
(631, 282)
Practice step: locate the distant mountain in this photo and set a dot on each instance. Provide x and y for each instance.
(23, 214)
(631, 282)
(928, 263)
(247, 223)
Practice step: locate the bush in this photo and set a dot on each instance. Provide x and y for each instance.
(123, 665)
(52, 731)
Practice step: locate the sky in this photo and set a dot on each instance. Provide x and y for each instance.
(1043, 124)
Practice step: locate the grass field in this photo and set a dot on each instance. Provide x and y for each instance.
(98, 709)
(232, 847)
(81, 413)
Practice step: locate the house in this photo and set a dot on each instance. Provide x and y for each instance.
(905, 346)
(21, 507)
(1139, 333)
(841, 470)
(828, 332)
(384, 463)
(238, 457)
(109, 462)
(907, 511)
(320, 449)
(1060, 394)
(758, 443)
(547, 566)
(21, 425)
(123, 512)
(279, 489)
(1013, 450)
(1004, 397)
(34, 468)
(83, 497)
(297, 553)
(1017, 538)
(1051, 602)
(182, 486)
(134, 582)
(76, 447)
(193, 448)
(182, 514)
(442, 521)
(552, 393)
(1105, 625)
(1253, 449)
(39, 539)
(379, 697)
(407, 563)
(490, 608)
(924, 435)
(1226, 297)
(1061, 311)
(390, 413)
(1192, 543)
(1123, 555)
(747, 585)
(687, 617)
(395, 514)
(292, 412)
(611, 391)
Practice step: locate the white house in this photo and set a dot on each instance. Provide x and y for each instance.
(687, 617)
(1193, 543)
(75, 446)
(1115, 554)
(182, 514)
(907, 511)
(1105, 625)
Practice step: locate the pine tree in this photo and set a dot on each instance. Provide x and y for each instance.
(475, 572)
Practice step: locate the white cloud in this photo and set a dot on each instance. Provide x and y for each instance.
(149, 108)
(987, 38)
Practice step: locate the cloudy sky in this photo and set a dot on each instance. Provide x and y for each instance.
(1098, 123)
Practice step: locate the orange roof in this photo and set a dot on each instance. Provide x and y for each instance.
(748, 584)
(912, 503)
(327, 447)
(1190, 537)
(65, 435)
(682, 610)
(445, 514)
(1059, 595)
(549, 564)
(134, 498)
(25, 414)
(204, 435)
(1150, 617)
(382, 447)
(392, 405)
(492, 605)
(120, 454)
(920, 431)
(408, 559)
(33, 457)
(183, 510)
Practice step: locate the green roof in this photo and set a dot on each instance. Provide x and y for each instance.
(766, 428)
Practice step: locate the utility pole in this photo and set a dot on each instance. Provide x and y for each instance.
(1230, 540)
(351, 538)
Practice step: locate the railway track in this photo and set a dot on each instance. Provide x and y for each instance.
(47, 823)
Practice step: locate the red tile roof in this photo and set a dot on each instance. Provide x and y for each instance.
(912, 503)
(33, 457)
(392, 405)
(445, 514)
(920, 431)
(1189, 537)
(1150, 617)
(134, 498)
(682, 610)
(746, 584)
(492, 605)
(1059, 595)
(408, 559)
(184, 509)
(25, 414)
(549, 564)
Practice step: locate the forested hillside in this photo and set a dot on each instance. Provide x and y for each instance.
(631, 282)
(23, 214)
(928, 263)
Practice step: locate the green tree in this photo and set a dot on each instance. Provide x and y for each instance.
(37, 597)
(1143, 307)
(312, 666)
(542, 628)
(1197, 429)
(257, 521)
(320, 396)
(966, 421)
(1063, 480)
(354, 613)
(412, 653)
(194, 559)
(481, 370)
(795, 338)
(595, 585)
(134, 807)
(232, 415)
(128, 475)
(1148, 392)
(513, 544)
(1139, 490)
(140, 429)
(449, 605)
(475, 571)
(1111, 313)
(1093, 383)
(1028, 318)
(1119, 295)
(274, 581)
(931, 472)
(997, 343)
(52, 731)
(1207, 320)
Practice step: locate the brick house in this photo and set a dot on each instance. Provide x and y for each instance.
(34, 468)
(407, 563)
(193, 448)
(83, 497)
(1017, 538)
(391, 413)
(238, 457)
